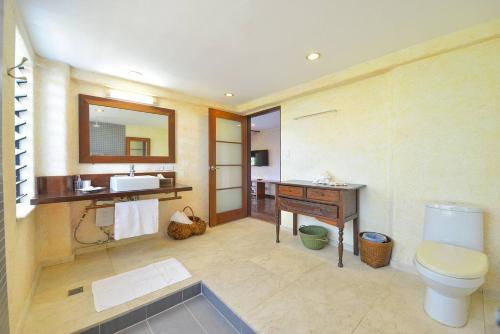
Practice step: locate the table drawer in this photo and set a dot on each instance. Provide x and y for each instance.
(291, 191)
(308, 208)
(324, 195)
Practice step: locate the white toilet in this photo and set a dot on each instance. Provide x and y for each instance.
(451, 261)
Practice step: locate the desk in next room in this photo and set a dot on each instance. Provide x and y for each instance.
(329, 204)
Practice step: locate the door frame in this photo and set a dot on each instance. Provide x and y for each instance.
(249, 150)
(221, 218)
(147, 141)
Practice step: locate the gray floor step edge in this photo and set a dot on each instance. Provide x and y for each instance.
(126, 322)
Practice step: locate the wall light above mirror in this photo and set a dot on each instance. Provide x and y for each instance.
(131, 97)
(115, 131)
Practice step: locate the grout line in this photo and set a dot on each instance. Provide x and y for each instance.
(171, 307)
(121, 330)
(191, 298)
(195, 319)
(149, 326)
(165, 310)
(484, 310)
(372, 305)
(223, 316)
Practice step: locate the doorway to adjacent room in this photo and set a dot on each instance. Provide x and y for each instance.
(264, 162)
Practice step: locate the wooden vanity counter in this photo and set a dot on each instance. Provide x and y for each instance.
(72, 196)
(59, 189)
(333, 205)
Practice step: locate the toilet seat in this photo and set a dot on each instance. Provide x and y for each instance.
(452, 261)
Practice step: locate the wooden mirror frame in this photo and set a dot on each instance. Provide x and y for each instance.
(84, 101)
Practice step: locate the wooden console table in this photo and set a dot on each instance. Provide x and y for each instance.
(329, 204)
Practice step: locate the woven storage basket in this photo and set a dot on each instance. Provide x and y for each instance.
(375, 254)
(179, 231)
(199, 226)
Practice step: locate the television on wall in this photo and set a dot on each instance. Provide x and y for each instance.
(259, 158)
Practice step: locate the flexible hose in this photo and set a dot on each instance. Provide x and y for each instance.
(98, 242)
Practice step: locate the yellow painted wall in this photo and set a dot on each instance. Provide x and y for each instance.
(53, 129)
(415, 126)
(54, 221)
(157, 134)
(21, 259)
(422, 131)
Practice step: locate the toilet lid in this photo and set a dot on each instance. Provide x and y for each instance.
(452, 261)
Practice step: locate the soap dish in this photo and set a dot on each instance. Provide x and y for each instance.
(92, 189)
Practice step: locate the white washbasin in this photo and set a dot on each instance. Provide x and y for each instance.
(127, 183)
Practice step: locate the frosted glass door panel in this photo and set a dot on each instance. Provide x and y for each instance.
(228, 130)
(228, 154)
(229, 199)
(228, 177)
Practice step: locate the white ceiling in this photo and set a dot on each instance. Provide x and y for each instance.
(126, 117)
(266, 121)
(249, 47)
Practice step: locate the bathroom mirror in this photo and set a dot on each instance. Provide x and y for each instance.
(114, 131)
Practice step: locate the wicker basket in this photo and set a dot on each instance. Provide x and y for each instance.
(375, 254)
(199, 226)
(179, 231)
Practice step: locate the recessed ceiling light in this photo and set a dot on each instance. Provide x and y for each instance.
(253, 124)
(135, 73)
(229, 94)
(99, 110)
(313, 56)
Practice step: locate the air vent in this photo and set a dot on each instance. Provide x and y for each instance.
(75, 291)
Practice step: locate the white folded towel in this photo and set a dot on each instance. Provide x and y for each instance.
(180, 217)
(105, 216)
(136, 218)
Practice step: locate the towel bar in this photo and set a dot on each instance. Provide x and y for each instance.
(100, 206)
(108, 234)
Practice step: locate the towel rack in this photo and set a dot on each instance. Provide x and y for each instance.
(95, 206)
(9, 71)
(100, 206)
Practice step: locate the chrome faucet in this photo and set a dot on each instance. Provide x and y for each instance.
(132, 171)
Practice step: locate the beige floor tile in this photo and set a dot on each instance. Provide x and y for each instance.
(244, 285)
(491, 305)
(401, 311)
(85, 267)
(285, 262)
(277, 288)
(294, 310)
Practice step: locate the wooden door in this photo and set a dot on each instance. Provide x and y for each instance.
(228, 166)
(137, 146)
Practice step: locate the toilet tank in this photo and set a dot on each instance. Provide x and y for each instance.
(454, 224)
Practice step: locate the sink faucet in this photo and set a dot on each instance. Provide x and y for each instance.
(132, 171)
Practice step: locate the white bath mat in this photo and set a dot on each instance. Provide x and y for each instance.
(121, 288)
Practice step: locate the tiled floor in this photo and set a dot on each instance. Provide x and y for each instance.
(196, 315)
(275, 288)
(188, 310)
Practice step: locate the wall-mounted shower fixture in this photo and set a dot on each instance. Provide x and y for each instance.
(20, 65)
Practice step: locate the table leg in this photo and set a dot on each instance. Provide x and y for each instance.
(294, 224)
(278, 223)
(355, 235)
(341, 246)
